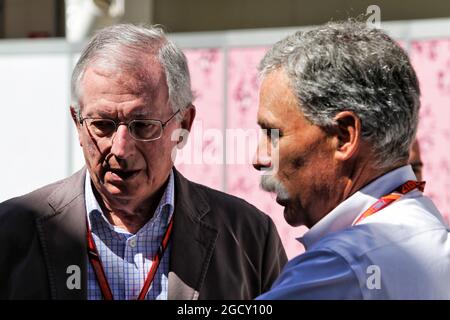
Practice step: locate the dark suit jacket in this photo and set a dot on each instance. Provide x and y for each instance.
(221, 248)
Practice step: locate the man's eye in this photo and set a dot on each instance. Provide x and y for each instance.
(145, 129)
(141, 125)
(102, 126)
(273, 135)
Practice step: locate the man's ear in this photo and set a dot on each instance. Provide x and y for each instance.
(74, 115)
(348, 135)
(188, 118)
(186, 125)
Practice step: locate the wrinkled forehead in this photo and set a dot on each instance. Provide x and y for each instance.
(145, 78)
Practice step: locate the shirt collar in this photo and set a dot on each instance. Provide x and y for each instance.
(349, 210)
(94, 210)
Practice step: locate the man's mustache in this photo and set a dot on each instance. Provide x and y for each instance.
(270, 183)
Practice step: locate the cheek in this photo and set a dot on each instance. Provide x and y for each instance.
(301, 169)
(92, 152)
(166, 150)
(157, 156)
(291, 163)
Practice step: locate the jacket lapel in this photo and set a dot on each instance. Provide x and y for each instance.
(193, 241)
(62, 232)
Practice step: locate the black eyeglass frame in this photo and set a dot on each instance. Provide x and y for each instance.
(128, 124)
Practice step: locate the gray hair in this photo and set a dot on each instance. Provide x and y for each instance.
(347, 66)
(125, 47)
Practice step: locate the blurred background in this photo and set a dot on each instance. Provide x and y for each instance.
(40, 41)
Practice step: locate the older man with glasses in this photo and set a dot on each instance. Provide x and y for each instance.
(129, 225)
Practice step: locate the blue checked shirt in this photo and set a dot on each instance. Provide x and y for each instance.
(127, 257)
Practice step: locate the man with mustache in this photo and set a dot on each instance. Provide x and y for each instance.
(344, 100)
(129, 225)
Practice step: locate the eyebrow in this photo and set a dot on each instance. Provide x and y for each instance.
(101, 114)
(264, 124)
(113, 114)
(139, 113)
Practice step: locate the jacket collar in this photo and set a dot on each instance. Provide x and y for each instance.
(62, 232)
(193, 240)
(349, 210)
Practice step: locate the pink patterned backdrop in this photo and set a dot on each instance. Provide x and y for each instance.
(226, 85)
(207, 76)
(431, 59)
(242, 107)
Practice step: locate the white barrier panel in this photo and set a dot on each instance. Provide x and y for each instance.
(34, 121)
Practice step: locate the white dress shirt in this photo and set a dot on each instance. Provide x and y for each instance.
(400, 252)
(127, 257)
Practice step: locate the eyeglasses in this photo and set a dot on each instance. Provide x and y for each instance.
(139, 129)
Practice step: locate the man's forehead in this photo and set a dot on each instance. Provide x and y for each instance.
(277, 75)
(150, 79)
(138, 82)
(102, 92)
(276, 99)
(276, 86)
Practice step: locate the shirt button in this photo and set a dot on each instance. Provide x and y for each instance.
(132, 243)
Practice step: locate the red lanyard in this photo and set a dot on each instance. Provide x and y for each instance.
(96, 263)
(394, 195)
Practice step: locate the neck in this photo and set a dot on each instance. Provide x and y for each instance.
(130, 222)
(127, 215)
(351, 177)
(361, 175)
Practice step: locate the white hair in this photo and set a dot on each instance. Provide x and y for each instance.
(125, 47)
(346, 66)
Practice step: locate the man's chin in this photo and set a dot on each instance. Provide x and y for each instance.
(116, 192)
(293, 217)
(282, 201)
(121, 180)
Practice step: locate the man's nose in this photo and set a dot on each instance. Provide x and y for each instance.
(122, 143)
(262, 158)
